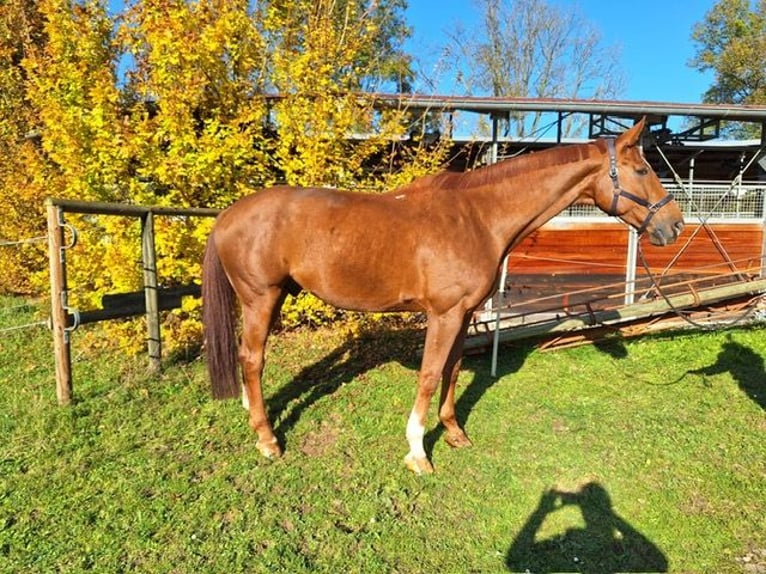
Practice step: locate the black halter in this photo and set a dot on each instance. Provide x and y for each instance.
(619, 192)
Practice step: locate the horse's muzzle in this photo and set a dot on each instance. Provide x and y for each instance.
(662, 235)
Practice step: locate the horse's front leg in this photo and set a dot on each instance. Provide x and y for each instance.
(441, 335)
(455, 436)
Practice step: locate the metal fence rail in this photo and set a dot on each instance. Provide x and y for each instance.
(712, 200)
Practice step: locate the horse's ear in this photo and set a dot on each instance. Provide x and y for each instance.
(632, 137)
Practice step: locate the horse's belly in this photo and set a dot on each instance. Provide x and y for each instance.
(359, 293)
(371, 300)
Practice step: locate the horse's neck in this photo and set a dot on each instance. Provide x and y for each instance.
(514, 200)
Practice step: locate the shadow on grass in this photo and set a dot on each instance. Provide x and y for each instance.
(746, 367)
(372, 349)
(607, 543)
(509, 362)
(356, 356)
(364, 352)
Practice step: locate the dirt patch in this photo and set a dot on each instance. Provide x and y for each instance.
(754, 562)
(696, 505)
(320, 441)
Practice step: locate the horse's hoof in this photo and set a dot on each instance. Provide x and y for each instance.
(418, 465)
(457, 439)
(270, 449)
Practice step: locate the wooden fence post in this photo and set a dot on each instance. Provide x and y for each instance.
(57, 264)
(149, 258)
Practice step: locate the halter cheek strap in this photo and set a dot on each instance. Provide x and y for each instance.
(653, 208)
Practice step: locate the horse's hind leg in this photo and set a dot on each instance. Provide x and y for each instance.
(257, 317)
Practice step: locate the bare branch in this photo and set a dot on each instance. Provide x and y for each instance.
(531, 48)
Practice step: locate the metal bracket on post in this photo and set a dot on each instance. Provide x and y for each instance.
(68, 310)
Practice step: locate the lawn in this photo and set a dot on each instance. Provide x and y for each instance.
(640, 455)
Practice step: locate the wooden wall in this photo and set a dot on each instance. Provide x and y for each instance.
(570, 262)
(600, 248)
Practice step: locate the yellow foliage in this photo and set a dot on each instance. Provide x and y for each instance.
(166, 105)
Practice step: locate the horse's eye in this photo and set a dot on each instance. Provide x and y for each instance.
(642, 170)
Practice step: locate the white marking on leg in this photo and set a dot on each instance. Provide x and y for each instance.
(245, 402)
(415, 432)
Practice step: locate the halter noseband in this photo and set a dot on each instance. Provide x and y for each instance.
(619, 192)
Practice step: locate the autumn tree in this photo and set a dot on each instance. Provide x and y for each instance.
(533, 48)
(64, 99)
(198, 70)
(20, 27)
(325, 55)
(198, 103)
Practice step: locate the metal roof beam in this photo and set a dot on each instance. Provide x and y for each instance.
(635, 110)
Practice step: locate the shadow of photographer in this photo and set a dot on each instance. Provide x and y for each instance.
(607, 543)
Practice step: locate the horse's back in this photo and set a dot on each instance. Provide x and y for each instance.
(297, 214)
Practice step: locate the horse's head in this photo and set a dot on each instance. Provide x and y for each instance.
(630, 190)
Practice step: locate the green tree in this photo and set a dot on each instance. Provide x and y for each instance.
(731, 42)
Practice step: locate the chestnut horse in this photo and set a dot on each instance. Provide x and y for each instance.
(435, 245)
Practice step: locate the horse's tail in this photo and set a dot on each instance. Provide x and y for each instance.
(219, 323)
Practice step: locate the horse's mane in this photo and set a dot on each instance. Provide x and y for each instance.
(501, 170)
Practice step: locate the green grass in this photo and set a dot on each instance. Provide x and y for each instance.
(631, 456)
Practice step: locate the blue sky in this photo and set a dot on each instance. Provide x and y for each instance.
(653, 37)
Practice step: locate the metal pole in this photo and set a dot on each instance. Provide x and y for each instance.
(57, 265)
(763, 210)
(149, 258)
(690, 187)
(630, 266)
(493, 152)
(500, 300)
(503, 272)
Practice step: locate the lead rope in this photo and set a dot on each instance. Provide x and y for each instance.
(679, 312)
(703, 219)
(703, 224)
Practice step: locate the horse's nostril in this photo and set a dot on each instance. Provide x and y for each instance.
(679, 227)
